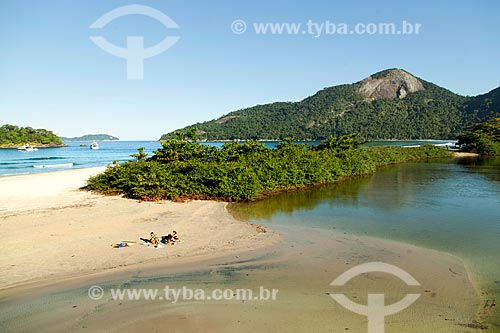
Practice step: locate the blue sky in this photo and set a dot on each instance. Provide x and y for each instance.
(53, 76)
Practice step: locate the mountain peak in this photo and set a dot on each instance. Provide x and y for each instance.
(389, 84)
(432, 112)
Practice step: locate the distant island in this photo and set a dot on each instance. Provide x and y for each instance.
(92, 137)
(12, 136)
(391, 104)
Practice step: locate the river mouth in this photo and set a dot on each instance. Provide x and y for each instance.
(449, 205)
(314, 251)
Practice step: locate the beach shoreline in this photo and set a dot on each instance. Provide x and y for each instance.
(464, 154)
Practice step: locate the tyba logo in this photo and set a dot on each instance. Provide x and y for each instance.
(135, 53)
(375, 310)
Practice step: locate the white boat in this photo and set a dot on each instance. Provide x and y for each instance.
(27, 148)
(94, 146)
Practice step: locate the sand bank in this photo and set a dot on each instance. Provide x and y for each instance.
(465, 154)
(50, 229)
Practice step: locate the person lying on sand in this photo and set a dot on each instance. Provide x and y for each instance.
(174, 237)
(170, 238)
(154, 239)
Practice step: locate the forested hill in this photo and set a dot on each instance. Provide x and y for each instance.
(92, 137)
(392, 104)
(14, 136)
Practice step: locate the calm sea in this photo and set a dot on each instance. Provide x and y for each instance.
(14, 162)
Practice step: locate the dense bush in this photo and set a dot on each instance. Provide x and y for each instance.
(483, 138)
(184, 169)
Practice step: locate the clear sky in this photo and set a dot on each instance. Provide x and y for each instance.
(53, 76)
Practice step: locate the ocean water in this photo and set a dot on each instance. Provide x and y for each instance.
(14, 162)
(451, 205)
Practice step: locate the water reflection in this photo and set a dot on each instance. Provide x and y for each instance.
(489, 167)
(390, 189)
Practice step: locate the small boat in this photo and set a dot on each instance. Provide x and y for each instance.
(27, 148)
(94, 146)
(83, 145)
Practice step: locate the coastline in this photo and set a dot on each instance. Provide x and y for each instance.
(69, 234)
(36, 145)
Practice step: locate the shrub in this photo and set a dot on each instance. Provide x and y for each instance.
(186, 169)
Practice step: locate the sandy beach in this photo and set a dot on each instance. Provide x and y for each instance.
(51, 229)
(55, 243)
(459, 154)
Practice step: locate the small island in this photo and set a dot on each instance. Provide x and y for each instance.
(12, 136)
(91, 137)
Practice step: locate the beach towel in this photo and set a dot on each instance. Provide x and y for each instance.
(119, 245)
(123, 244)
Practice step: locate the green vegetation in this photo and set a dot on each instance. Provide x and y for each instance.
(433, 113)
(141, 155)
(483, 138)
(13, 136)
(92, 137)
(183, 168)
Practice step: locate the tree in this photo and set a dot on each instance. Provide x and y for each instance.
(483, 138)
(140, 155)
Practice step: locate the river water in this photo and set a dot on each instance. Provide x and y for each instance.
(450, 205)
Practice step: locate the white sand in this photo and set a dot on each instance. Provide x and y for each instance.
(45, 190)
(50, 229)
(465, 154)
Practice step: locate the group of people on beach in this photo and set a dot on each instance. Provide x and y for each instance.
(171, 239)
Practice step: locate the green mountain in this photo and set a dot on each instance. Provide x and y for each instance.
(92, 137)
(392, 104)
(14, 136)
(485, 107)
